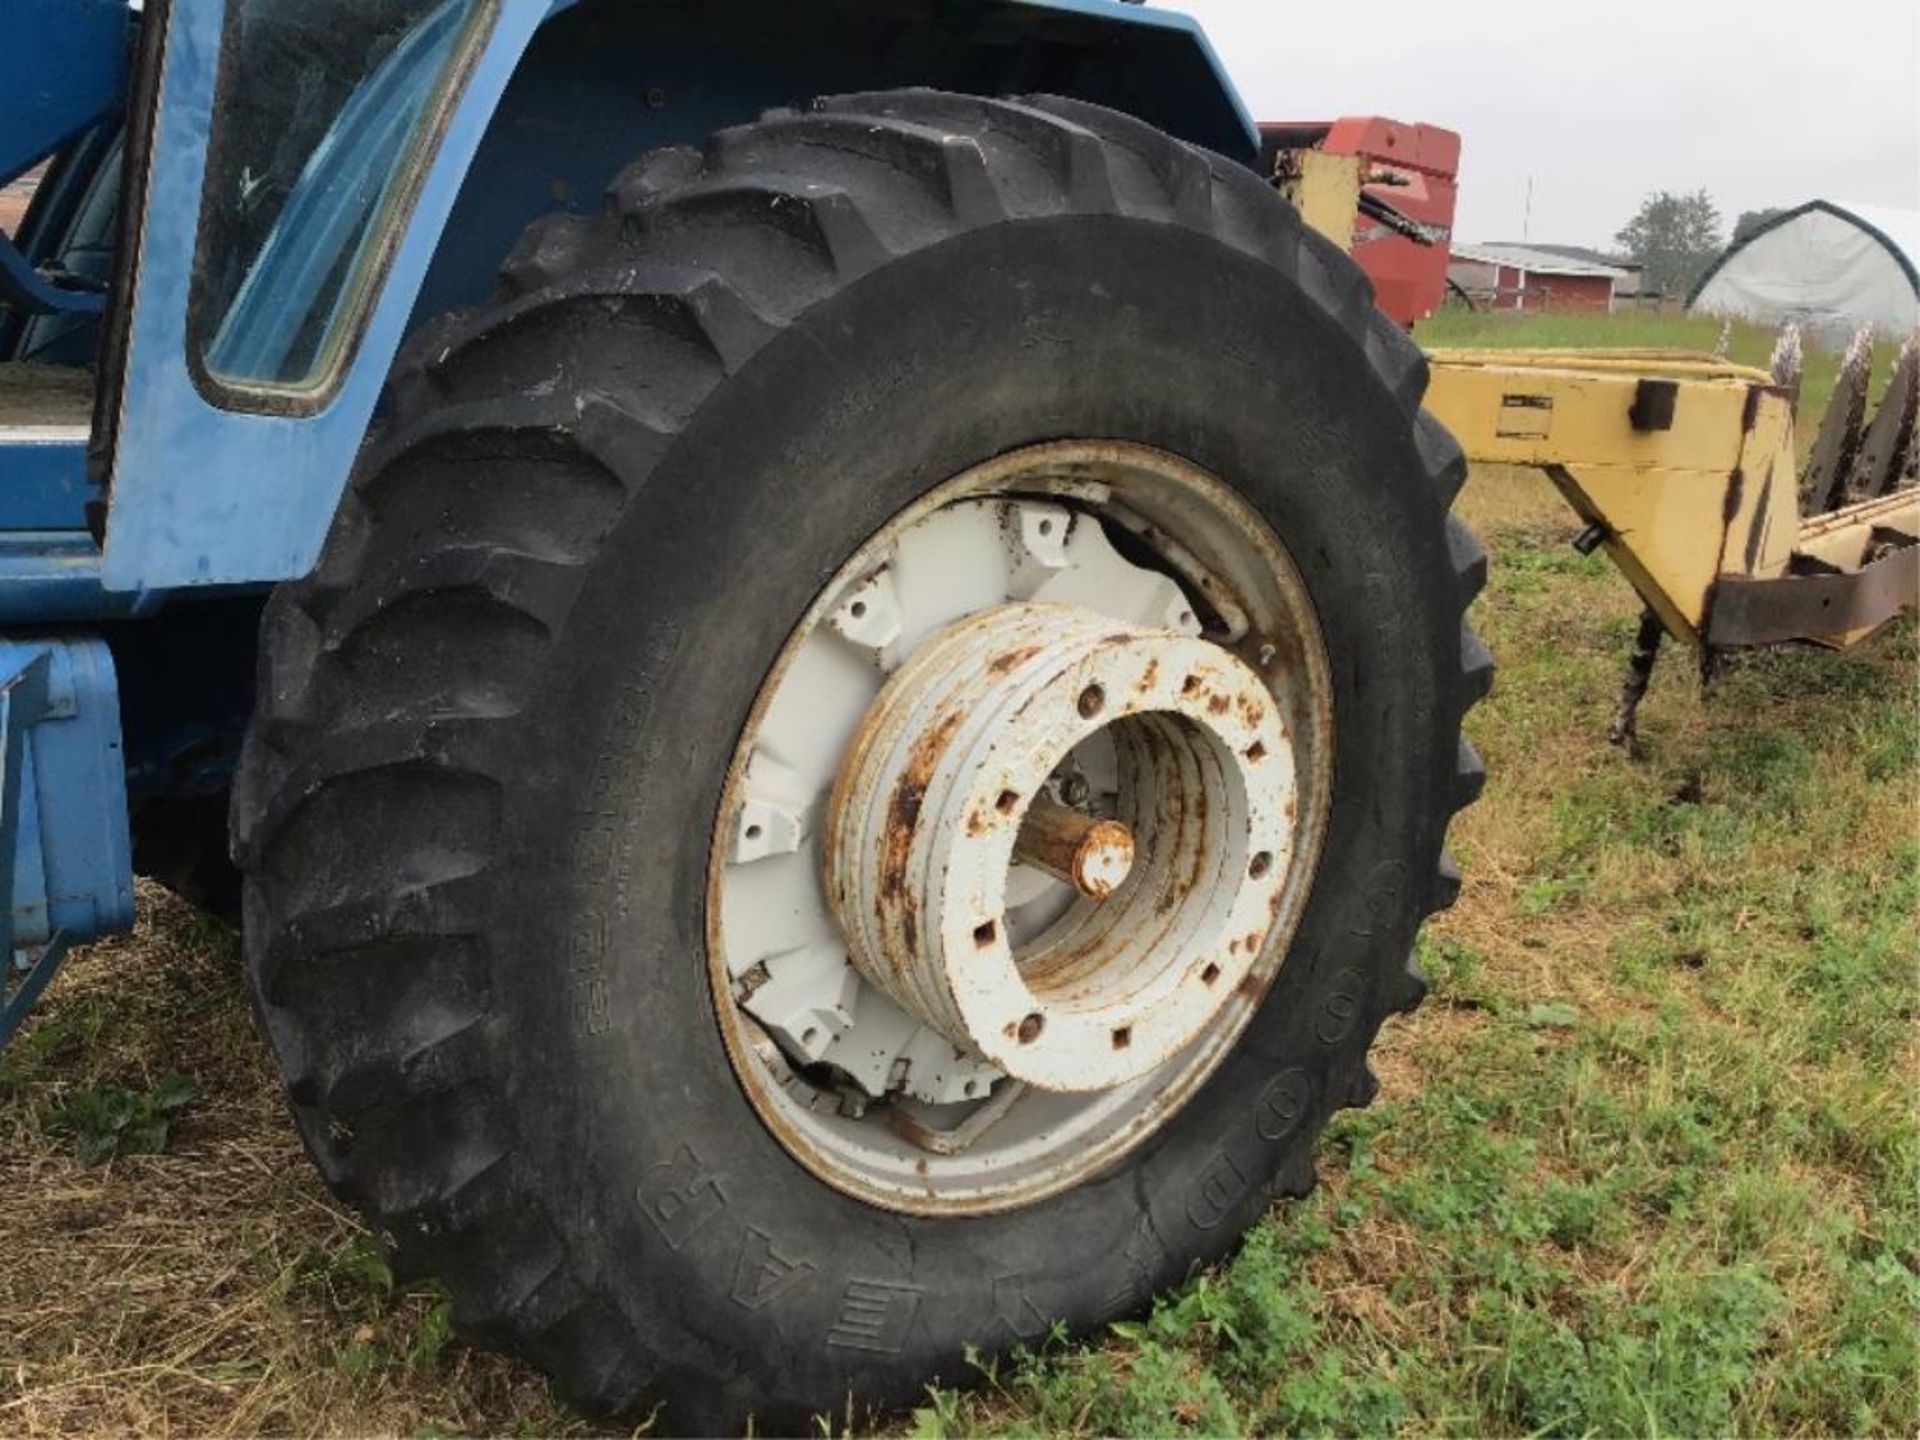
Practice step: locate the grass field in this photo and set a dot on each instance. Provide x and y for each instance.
(1646, 1162)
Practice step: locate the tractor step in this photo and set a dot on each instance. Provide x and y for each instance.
(67, 859)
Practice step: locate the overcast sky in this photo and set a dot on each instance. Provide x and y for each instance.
(1762, 103)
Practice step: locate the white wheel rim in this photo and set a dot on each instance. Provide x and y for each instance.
(925, 1019)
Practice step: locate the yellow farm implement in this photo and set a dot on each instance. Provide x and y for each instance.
(1685, 470)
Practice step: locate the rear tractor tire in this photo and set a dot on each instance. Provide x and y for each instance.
(864, 758)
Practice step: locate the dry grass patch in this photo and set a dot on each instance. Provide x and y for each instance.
(212, 1288)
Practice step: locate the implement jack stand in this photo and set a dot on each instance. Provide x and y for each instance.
(1625, 730)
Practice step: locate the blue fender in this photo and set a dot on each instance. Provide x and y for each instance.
(63, 66)
(212, 486)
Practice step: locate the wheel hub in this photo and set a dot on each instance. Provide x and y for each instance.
(1050, 751)
(944, 791)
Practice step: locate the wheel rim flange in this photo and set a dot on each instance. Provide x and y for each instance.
(1227, 559)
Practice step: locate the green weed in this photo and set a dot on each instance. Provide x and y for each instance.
(110, 1121)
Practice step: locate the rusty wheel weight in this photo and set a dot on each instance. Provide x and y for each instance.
(1019, 828)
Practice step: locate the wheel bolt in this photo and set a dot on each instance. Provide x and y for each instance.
(1093, 856)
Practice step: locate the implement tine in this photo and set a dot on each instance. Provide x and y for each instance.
(1887, 452)
(1788, 358)
(1825, 480)
(1723, 347)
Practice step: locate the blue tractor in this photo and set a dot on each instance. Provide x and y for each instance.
(818, 644)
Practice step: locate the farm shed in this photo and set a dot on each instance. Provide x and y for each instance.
(1832, 268)
(1631, 273)
(1524, 277)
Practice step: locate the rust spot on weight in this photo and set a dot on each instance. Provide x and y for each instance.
(903, 816)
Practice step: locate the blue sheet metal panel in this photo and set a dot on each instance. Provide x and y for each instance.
(66, 856)
(72, 858)
(52, 577)
(49, 563)
(63, 65)
(203, 495)
(80, 789)
(1215, 115)
(43, 480)
(609, 79)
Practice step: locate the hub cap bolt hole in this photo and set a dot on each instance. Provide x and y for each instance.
(1007, 801)
(1256, 752)
(753, 832)
(985, 934)
(1123, 1037)
(1262, 863)
(1031, 1027)
(1210, 974)
(858, 609)
(1190, 685)
(1091, 700)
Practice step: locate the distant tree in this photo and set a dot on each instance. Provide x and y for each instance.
(1752, 220)
(1674, 237)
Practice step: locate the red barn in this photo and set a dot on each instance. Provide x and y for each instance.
(1520, 277)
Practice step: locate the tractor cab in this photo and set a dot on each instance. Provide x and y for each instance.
(237, 173)
(234, 176)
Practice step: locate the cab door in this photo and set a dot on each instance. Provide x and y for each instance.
(295, 162)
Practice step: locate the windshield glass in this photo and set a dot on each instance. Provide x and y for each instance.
(319, 119)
